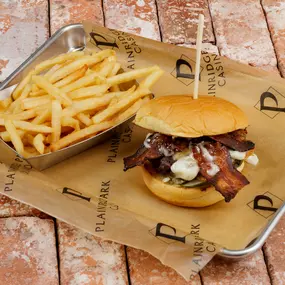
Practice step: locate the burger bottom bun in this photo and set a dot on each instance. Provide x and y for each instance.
(180, 196)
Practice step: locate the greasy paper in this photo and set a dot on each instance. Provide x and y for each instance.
(92, 192)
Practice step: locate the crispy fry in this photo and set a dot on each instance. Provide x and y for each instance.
(92, 78)
(96, 90)
(114, 71)
(38, 143)
(24, 95)
(78, 135)
(128, 113)
(89, 60)
(87, 104)
(5, 103)
(31, 103)
(151, 79)
(26, 126)
(70, 122)
(123, 103)
(35, 88)
(6, 136)
(22, 84)
(30, 139)
(131, 75)
(52, 90)
(42, 117)
(84, 119)
(57, 60)
(26, 115)
(14, 136)
(56, 121)
(72, 77)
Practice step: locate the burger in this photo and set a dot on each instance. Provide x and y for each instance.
(196, 151)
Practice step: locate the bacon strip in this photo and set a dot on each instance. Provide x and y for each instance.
(228, 180)
(235, 140)
(142, 155)
(159, 145)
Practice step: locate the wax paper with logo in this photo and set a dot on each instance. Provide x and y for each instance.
(92, 192)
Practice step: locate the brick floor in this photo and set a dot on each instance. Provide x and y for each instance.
(24, 25)
(275, 14)
(85, 259)
(136, 17)
(27, 252)
(146, 269)
(64, 12)
(13, 208)
(274, 252)
(250, 270)
(179, 18)
(241, 31)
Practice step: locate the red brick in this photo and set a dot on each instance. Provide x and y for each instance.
(275, 14)
(13, 208)
(86, 259)
(23, 28)
(64, 12)
(136, 17)
(274, 252)
(208, 47)
(250, 270)
(179, 20)
(146, 269)
(241, 31)
(27, 252)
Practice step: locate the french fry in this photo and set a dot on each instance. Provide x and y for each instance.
(38, 93)
(30, 139)
(52, 90)
(6, 136)
(50, 72)
(123, 103)
(72, 77)
(151, 79)
(70, 122)
(26, 115)
(121, 117)
(87, 104)
(22, 84)
(26, 126)
(78, 135)
(42, 117)
(96, 90)
(30, 151)
(84, 119)
(121, 94)
(131, 75)
(89, 60)
(31, 103)
(107, 66)
(113, 72)
(38, 143)
(14, 136)
(56, 121)
(92, 78)
(6, 102)
(17, 109)
(57, 60)
(35, 88)
(26, 91)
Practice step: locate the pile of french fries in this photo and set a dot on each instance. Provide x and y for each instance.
(70, 98)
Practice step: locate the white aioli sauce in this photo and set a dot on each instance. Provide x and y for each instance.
(252, 159)
(237, 154)
(185, 168)
(214, 169)
(147, 141)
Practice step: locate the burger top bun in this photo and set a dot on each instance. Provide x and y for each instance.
(182, 116)
(181, 196)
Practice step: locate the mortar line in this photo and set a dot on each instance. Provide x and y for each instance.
(158, 20)
(127, 265)
(49, 18)
(103, 12)
(57, 249)
(266, 264)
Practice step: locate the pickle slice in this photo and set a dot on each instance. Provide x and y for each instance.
(195, 183)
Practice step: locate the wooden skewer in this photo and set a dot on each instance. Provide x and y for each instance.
(198, 55)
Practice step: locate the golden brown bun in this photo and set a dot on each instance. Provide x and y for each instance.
(182, 116)
(180, 196)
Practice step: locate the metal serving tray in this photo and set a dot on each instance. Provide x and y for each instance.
(68, 39)
(71, 38)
